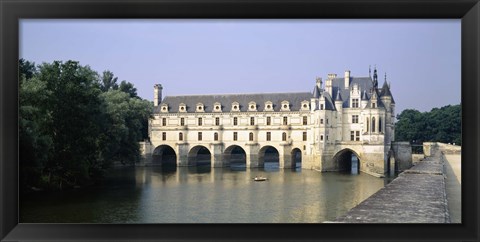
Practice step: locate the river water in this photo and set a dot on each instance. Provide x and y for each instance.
(204, 195)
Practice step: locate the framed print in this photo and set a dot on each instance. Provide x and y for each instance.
(227, 156)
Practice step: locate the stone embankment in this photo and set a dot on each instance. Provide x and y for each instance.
(418, 195)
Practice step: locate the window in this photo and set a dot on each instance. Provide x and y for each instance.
(327, 120)
(284, 136)
(368, 124)
(327, 137)
(321, 106)
(217, 121)
(235, 121)
(215, 136)
(305, 120)
(374, 105)
(180, 136)
(250, 136)
(355, 103)
(235, 136)
(352, 135)
(164, 135)
(380, 124)
(304, 136)
(373, 124)
(321, 121)
(199, 136)
(357, 135)
(321, 137)
(182, 121)
(269, 136)
(199, 121)
(285, 120)
(269, 121)
(164, 122)
(355, 119)
(252, 121)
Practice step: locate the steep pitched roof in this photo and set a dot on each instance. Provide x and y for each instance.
(364, 83)
(316, 92)
(328, 101)
(365, 95)
(385, 90)
(226, 100)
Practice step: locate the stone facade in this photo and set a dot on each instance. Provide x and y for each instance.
(346, 116)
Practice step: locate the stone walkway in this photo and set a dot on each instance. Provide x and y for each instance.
(453, 182)
(415, 196)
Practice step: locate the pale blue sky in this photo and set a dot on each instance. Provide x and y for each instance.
(421, 57)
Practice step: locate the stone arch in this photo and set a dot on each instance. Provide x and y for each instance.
(199, 155)
(344, 161)
(296, 155)
(235, 157)
(269, 154)
(164, 155)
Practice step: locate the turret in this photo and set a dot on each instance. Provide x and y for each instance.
(157, 94)
(386, 95)
(364, 101)
(313, 104)
(319, 83)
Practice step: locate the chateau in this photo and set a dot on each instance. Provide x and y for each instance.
(343, 123)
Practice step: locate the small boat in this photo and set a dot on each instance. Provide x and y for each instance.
(260, 179)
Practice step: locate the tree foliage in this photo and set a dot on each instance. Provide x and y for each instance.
(440, 124)
(71, 127)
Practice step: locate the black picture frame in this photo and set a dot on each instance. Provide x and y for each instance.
(466, 10)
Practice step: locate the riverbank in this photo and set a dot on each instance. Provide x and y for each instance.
(429, 192)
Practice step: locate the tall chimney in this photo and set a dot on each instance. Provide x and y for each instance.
(157, 94)
(347, 79)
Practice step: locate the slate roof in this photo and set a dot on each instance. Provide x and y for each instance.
(316, 92)
(226, 101)
(328, 101)
(364, 83)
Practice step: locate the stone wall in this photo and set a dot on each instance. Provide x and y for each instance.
(403, 155)
(430, 148)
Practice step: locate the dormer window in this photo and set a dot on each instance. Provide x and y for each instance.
(305, 106)
(164, 108)
(200, 107)
(235, 107)
(217, 107)
(268, 106)
(252, 106)
(285, 106)
(182, 108)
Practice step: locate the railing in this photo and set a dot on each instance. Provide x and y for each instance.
(417, 148)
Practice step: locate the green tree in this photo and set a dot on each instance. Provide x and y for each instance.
(440, 124)
(128, 87)
(108, 81)
(123, 126)
(73, 107)
(35, 144)
(73, 124)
